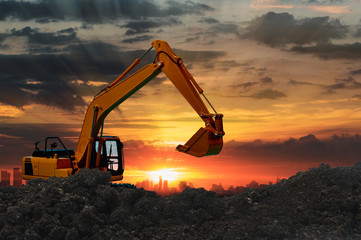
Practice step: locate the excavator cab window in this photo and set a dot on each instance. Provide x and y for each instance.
(111, 156)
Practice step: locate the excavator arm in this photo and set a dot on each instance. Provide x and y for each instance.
(206, 141)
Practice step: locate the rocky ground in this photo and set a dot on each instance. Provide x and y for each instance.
(322, 203)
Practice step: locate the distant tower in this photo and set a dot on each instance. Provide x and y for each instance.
(160, 185)
(17, 180)
(5, 178)
(165, 186)
(253, 184)
(182, 186)
(145, 184)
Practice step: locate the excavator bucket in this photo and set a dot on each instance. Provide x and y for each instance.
(203, 143)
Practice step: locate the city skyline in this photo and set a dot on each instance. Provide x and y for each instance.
(11, 177)
(162, 189)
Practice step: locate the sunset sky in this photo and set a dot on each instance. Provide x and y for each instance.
(285, 74)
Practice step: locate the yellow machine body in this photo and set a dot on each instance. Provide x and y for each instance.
(42, 167)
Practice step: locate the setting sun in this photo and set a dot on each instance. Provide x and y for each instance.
(169, 174)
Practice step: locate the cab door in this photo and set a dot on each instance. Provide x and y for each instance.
(111, 156)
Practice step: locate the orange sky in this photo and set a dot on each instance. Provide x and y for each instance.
(278, 70)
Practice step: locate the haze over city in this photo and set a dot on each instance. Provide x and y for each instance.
(285, 74)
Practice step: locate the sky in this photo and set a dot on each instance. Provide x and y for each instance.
(286, 75)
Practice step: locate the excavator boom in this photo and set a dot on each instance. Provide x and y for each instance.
(206, 141)
(96, 151)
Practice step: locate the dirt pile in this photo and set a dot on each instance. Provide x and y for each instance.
(322, 203)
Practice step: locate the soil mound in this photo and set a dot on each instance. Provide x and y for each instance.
(322, 203)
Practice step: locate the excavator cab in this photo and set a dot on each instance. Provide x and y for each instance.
(108, 156)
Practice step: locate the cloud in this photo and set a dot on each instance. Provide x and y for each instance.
(22, 136)
(246, 86)
(355, 72)
(294, 82)
(209, 20)
(96, 11)
(225, 28)
(54, 74)
(249, 85)
(268, 94)
(142, 38)
(198, 56)
(332, 51)
(176, 8)
(56, 93)
(267, 4)
(348, 83)
(143, 26)
(327, 6)
(63, 79)
(266, 80)
(61, 37)
(339, 149)
(277, 29)
(358, 33)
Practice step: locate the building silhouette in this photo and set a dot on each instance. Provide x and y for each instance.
(218, 188)
(253, 184)
(165, 187)
(5, 178)
(160, 184)
(17, 178)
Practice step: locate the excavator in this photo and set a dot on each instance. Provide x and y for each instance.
(106, 152)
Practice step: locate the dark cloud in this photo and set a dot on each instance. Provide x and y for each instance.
(246, 86)
(193, 38)
(17, 139)
(52, 79)
(209, 20)
(143, 26)
(262, 82)
(55, 92)
(337, 149)
(46, 20)
(294, 82)
(329, 51)
(266, 80)
(348, 83)
(268, 94)
(176, 8)
(96, 11)
(198, 56)
(47, 78)
(355, 72)
(142, 38)
(276, 29)
(223, 28)
(226, 65)
(61, 37)
(358, 33)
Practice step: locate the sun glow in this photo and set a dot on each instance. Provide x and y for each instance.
(170, 174)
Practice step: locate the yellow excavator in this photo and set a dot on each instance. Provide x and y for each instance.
(106, 152)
